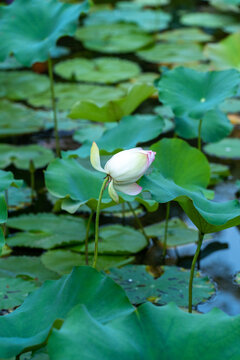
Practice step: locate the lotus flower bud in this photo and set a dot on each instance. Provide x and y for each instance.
(123, 169)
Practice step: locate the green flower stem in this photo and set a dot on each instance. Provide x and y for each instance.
(50, 72)
(97, 222)
(87, 235)
(32, 178)
(138, 222)
(199, 134)
(199, 244)
(166, 230)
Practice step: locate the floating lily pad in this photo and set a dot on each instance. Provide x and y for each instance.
(151, 332)
(10, 63)
(129, 132)
(172, 53)
(193, 93)
(184, 35)
(117, 240)
(208, 20)
(68, 94)
(151, 2)
(14, 291)
(215, 126)
(100, 70)
(113, 38)
(54, 300)
(112, 110)
(226, 148)
(148, 20)
(19, 198)
(226, 53)
(47, 231)
(16, 119)
(20, 156)
(20, 85)
(218, 173)
(25, 266)
(141, 286)
(63, 261)
(28, 42)
(178, 232)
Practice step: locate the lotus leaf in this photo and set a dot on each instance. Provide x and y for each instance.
(183, 175)
(193, 93)
(177, 53)
(62, 261)
(20, 329)
(207, 20)
(151, 332)
(112, 110)
(226, 148)
(101, 70)
(20, 156)
(225, 54)
(20, 85)
(113, 38)
(146, 19)
(31, 28)
(172, 285)
(68, 94)
(117, 240)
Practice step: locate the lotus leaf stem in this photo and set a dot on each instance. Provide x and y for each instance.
(97, 222)
(54, 108)
(87, 236)
(138, 222)
(199, 244)
(166, 230)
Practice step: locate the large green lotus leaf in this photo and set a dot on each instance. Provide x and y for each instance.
(226, 53)
(30, 324)
(151, 332)
(112, 110)
(182, 174)
(172, 53)
(193, 93)
(62, 261)
(101, 70)
(146, 19)
(113, 38)
(68, 178)
(25, 266)
(208, 20)
(226, 148)
(172, 285)
(20, 156)
(117, 240)
(29, 39)
(16, 119)
(20, 85)
(14, 291)
(68, 94)
(46, 230)
(178, 232)
(184, 35)
(130, 131)
(215, 126)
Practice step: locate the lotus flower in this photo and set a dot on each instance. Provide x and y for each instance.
(123, 169)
